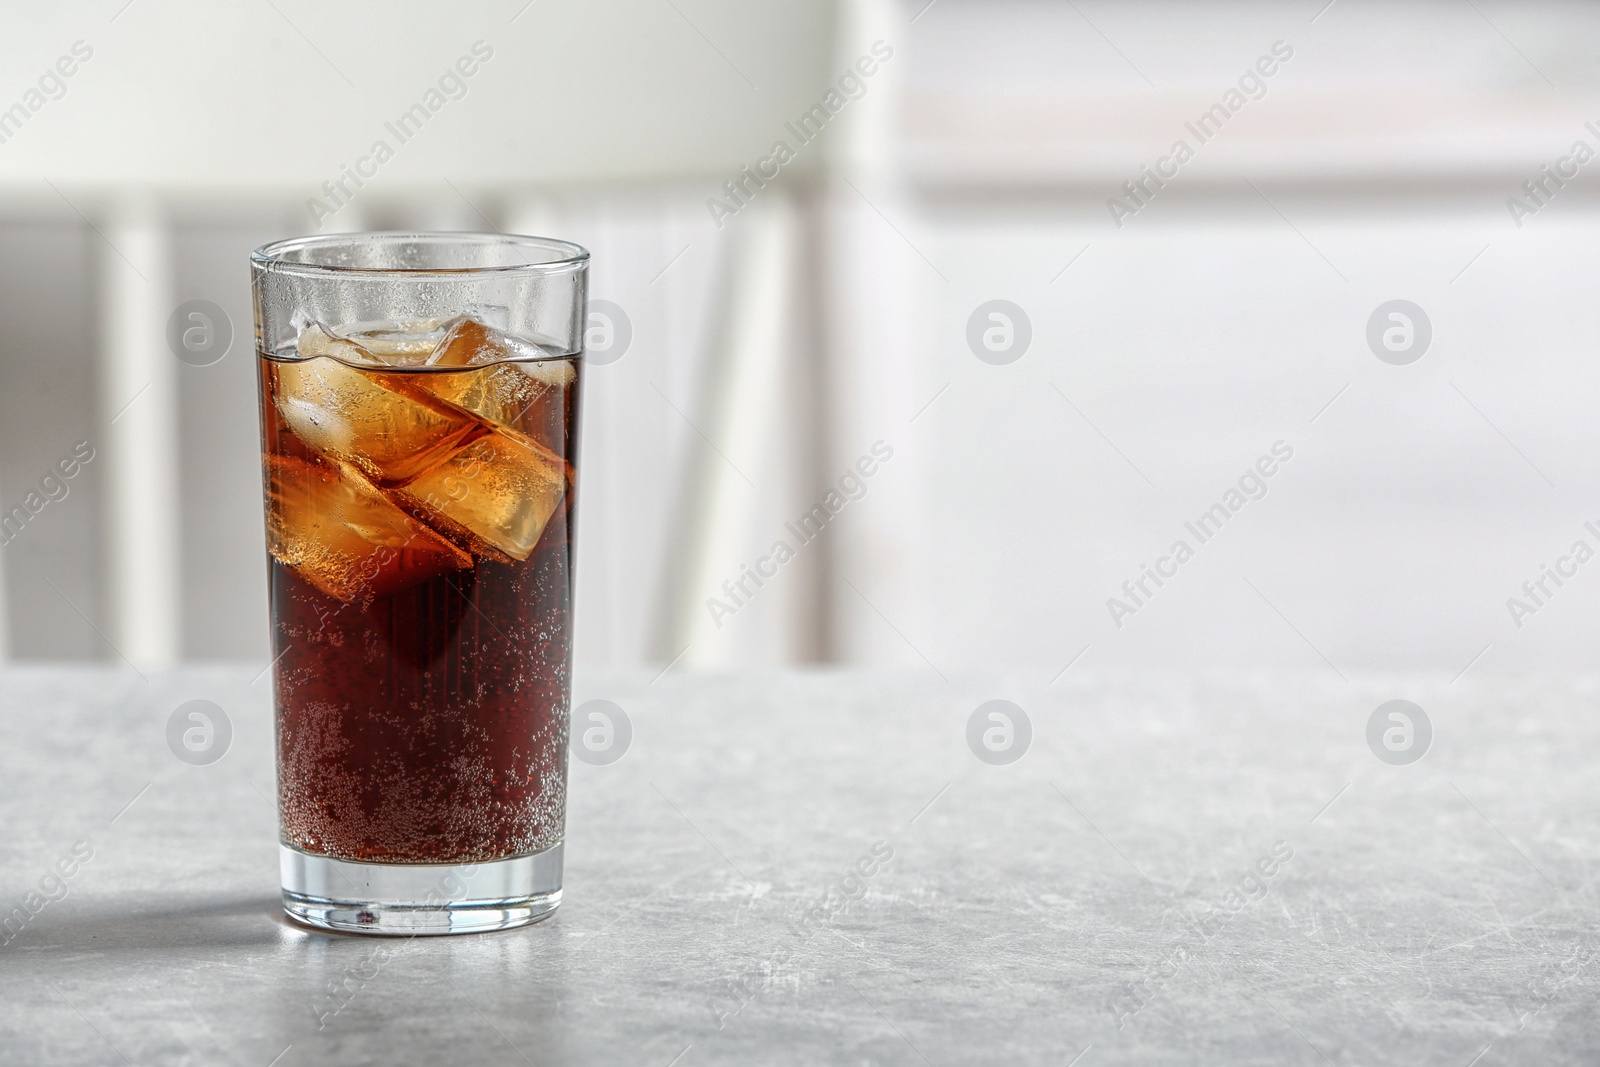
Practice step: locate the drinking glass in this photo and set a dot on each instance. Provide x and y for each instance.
(419, 426)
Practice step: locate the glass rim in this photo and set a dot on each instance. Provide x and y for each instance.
(558, 255)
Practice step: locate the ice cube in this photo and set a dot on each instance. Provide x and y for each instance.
(495, 494)
(340, 534)
(468, 343)
(316, 340)
(400, 351)
(501, 394)
(368, 418)
(406, 345)
(550, 371)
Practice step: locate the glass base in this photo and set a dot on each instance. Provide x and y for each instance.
(412, 899)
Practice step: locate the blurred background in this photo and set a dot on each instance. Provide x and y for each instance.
(1169, 317)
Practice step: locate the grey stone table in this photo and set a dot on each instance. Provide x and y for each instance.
(1202, 870)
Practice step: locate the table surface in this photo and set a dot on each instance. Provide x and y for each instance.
(1100, 901)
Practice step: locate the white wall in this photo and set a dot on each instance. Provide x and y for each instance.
(1169, 356)
(1212, 324)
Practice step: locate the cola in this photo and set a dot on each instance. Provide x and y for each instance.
(419, 483)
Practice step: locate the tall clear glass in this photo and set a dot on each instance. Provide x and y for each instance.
(419, 428)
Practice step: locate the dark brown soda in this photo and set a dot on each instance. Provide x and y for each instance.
(427, 724)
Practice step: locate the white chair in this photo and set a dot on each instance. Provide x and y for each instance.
(552, 118)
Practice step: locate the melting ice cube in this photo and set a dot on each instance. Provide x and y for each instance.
(373, 420)
(501, 394)
(496, 493)
(340, 534)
